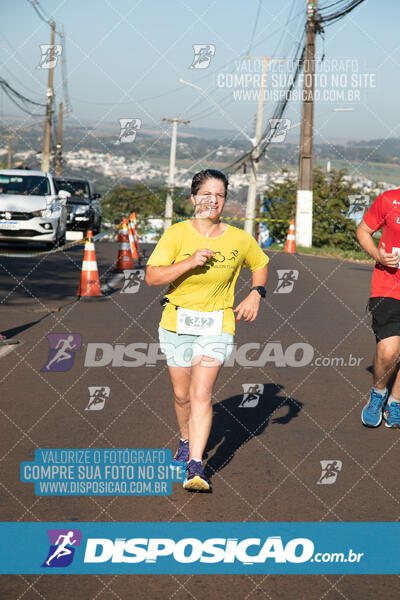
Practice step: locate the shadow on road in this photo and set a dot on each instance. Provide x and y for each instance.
(234, 424)
(53, 277)
(13, 331)
(10, 333)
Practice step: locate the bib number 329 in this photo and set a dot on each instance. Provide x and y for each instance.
(196, 322)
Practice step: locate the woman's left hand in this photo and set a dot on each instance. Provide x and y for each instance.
(248, 308)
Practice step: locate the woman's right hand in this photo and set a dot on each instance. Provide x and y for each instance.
(387, 259)
(200, 257)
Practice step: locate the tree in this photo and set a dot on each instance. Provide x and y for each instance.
(122, 200)
(331, 226)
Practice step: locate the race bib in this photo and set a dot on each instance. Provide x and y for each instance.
(197, 322)
(398, 252)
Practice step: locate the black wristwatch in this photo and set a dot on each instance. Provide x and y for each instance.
(260, 289)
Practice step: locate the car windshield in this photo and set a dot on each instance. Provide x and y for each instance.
(77, 189)
(27, 185)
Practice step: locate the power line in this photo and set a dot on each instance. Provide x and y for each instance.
(42, 14)
(343, 8)
(17, 98)
(254, 27)
(224, 99)
(46, 18)
(19, 81)
(281, 106)
(179, 89)
(67, 102)
(54, 128)
(278, 112)
(20, 60)
(285, 28)
(268, 36)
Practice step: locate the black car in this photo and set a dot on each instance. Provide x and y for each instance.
(83, 207)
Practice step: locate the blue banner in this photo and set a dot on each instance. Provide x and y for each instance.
(101, 472)
(206, 548)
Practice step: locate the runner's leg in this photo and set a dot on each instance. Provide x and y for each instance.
(180, 378)
(396, 385)
(391, 412)
(203, 377)
(387, 353)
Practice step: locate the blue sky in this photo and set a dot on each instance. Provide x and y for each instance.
(124, 57)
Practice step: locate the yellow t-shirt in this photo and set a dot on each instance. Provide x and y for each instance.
(210, 287)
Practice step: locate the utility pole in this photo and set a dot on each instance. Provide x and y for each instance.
(171, 172)
(252, 190)
(10, 142)
(258, 223)
(59, 141)
(49, 107)
(9, 153)
(304, 205)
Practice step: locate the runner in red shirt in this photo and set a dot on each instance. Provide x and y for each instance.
(384, 305)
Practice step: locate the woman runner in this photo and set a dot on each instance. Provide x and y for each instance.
(200, 258)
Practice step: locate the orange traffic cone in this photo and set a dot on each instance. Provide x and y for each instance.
(290, 245)
(132, 219)
(132, 242)
(89, 286)
(124, 260)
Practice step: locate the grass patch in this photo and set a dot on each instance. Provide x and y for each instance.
(387, 172)
(329, 252)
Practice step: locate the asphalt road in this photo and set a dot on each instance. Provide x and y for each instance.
(264, 456)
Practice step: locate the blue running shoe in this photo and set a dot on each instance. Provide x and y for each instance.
(195, 478)
(181, 457)
(371, 415)
(392, 415)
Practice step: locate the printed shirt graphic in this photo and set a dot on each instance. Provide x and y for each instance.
(385, 212)
(210, 287)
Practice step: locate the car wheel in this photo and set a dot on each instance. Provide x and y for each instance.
(51, 245)
(96, 228)
(61, 241)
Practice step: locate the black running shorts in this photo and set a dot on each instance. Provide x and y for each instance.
(385, 317)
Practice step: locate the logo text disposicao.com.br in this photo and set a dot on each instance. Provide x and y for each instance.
(213, 550)
(252, 354)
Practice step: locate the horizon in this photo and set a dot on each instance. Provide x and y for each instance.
(188, 131)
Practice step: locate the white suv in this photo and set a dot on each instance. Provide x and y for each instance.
(30, 208)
